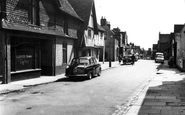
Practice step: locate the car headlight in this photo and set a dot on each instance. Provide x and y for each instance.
(67, 67)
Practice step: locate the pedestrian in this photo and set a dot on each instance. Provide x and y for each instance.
(133, 58)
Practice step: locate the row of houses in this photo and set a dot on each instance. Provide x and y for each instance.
(40, 37)
(173, 44)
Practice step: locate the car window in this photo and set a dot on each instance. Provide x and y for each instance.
(91, 61)
(83, 61)
(95, 61)
(74, 61)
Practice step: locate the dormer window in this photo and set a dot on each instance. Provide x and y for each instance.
(2, 9)
(33, 12)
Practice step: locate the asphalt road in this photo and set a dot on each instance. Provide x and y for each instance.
(98, 96)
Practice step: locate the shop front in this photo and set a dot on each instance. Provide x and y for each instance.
(27, 55)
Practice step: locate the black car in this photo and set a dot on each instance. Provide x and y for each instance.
(83, 66)
(127, 59)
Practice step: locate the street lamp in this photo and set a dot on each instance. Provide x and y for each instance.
(110, 51)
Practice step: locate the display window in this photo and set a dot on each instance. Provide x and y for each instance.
(24, 54)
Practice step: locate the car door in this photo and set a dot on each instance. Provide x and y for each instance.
(96, 66)
(90, 66)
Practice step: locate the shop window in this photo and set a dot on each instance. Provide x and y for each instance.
(34, 12)
(64, 53)
(24, 55)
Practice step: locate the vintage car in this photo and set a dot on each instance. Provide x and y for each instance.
(83, 67)
(159, 57)
(127, 59)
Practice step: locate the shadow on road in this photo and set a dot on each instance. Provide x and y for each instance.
(79, 79)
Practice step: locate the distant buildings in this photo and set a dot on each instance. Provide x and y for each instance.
(173, 44)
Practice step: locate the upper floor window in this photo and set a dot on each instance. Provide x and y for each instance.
(66, 25)
(89, 33)
(34, 12)
(2, 9)
(101, 35)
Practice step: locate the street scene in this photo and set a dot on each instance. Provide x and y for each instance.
(92, 57)
(101, 95)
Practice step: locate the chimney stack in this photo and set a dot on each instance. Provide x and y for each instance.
(103, 22)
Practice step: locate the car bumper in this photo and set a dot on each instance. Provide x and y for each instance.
(76, 75)
(159, 61)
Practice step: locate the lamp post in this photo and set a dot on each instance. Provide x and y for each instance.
(110, 51)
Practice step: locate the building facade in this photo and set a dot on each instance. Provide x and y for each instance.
(36, 38)
(89, 42)
(179, 46)
(164, 44)
(111, 42)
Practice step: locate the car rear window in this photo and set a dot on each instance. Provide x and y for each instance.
(83, 61)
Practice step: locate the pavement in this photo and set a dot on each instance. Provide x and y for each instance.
(164, 94)
(23, 84)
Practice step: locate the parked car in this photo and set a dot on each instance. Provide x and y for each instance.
(83, 66)
(159, 57)
(171, 62)
(127, 59)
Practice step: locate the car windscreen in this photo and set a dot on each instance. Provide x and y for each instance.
(160, 56)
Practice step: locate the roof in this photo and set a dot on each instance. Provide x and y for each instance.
(100, 28)
(164, 38)
(66, 7)
(39, 30)
(83, 8)
(107, 29)
(178, 28)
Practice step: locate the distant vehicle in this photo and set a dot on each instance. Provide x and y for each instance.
(84, 67)
(148, 58)
(127, 59)
(159, 57)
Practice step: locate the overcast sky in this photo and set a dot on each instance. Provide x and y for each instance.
(142, 19)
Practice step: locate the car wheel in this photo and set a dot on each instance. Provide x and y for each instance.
(89, 75)
(99, 72)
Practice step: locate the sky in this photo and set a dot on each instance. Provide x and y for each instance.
(142, 19)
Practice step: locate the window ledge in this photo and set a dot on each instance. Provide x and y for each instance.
(33, 25)
(24, 71)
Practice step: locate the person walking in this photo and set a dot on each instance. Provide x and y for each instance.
(133, 59)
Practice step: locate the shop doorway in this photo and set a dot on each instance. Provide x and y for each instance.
(47, 58)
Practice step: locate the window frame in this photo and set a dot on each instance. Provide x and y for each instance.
(66, 25)
(33, 13)
(64, 50)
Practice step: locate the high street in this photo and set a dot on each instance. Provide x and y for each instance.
(99, 96)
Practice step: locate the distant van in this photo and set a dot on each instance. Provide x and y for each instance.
(159, 57)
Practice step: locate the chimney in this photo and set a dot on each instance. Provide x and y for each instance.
(103, 22)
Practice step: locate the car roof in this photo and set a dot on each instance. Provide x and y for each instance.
(159, 53)
(87, 57)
